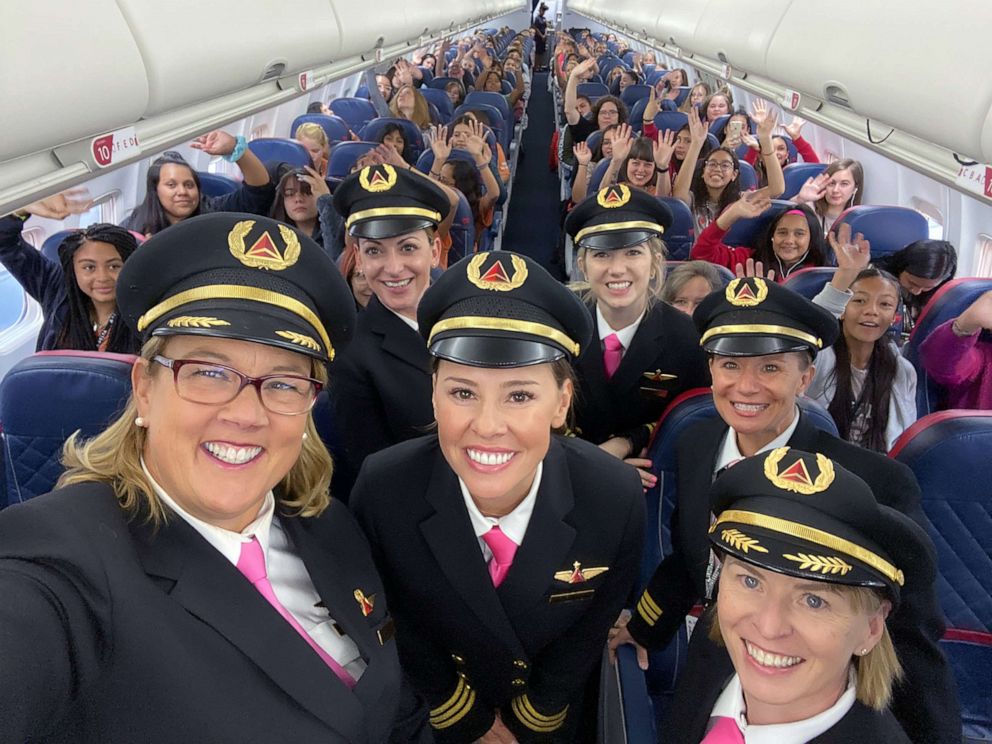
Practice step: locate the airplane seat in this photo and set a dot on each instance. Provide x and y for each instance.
(277, 149)
(717, 126)
(887, 228)
(726, 275)
(636, 117)
(948, 453)
(462, 231)
(479, 98)
(748, 232)
(502, 127)
(594, 139)
(597, 175)
(628, 57)
(323, 421)
(682, 233)
(947, 303)
(426, 160)
(683, 94)
(791, 146)
(427, 73)
(44, 398)
(686, 410)
(411, 133)
(796, 175)
(506, 88)
(809, 282)
(214, 184)
(438, 83)
(650, 69)
(634, 93)
(334, 127)
(440, 101)
(652, 76)
(344, 155)
(357, 112)
(670, 120)
(362, 92)
(749, 177)
(50, 248)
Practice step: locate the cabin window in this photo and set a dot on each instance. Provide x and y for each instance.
(935, 220)
(262, 130)
(34, 236)
(983, 257)
(103, 209)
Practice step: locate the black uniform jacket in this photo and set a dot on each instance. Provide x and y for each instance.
(664, 360)
(527, 648)
(381, 387)
(113, 632)
(925, 703)
(707, 672)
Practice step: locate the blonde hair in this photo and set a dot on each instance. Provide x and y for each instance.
(314, 132)
(656, 282)
(878, 670)
(421, 115)
(114, 457)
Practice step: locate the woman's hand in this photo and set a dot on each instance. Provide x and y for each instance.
(765, 118)
(217, 142)
(403, 72)
(976, 317)
(622, 141)
(750, 140)
(476, 144)
(813, 190)
(313, 179)
(619, 447)
(61, 205)
(389, 155)
(582, 153)
(437, 137)
(498, 734)
(643, 467)
(584, 67)
(664, 148)
(619, 635)
(753, 268)
(698, 131)
(651, 107)
(751, 204)
(853, 255)
(794, 128)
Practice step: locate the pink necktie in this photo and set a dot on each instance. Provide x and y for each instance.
(613, 351)
(725, 731)
(503, 551)
(252, 564)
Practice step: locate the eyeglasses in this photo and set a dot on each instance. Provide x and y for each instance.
(217, 384)
(724, 165)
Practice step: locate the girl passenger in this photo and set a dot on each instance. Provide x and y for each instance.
(839, 187)
(922, 267)
(688, 284)
(314, 138)
(78, 295)
(408, 103)
(303, 201)
(172, 187)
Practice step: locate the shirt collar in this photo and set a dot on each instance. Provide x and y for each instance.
(730, 452)
(625, 335)
(227, 542)
(731, 704)
(514, 524)
(412, 323)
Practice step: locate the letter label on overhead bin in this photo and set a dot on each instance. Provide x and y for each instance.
(306, 80)
(112, 148)
(791, 99)
(976, 178)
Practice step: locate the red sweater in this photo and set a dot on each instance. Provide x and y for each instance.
(709, 246)
(804, 148)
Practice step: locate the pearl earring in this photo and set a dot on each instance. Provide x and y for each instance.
(140, 422)
(305, 436)
(864, 652)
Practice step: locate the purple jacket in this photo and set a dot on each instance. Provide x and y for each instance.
(959, 364)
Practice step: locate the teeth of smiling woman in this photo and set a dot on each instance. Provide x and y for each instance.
(232, 455)
(766, 658)
(398, 284)
(489, 458)
(618, 285)
(749, 407)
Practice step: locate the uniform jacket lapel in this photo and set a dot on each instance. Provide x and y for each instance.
(642, 352)
(398, 339)
(199, 578)
(452, 540)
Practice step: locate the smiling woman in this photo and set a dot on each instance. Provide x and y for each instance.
(507, 551)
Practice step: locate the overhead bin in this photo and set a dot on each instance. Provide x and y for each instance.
(66, 75)
(677, 22)
(913, 64)
(738, 33)
(248, 41)
(394, 21)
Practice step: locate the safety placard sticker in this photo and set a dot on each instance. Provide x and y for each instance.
(113, 148)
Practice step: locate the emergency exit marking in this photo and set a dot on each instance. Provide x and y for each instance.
(112, 148)
(791, 99)
(306, 80)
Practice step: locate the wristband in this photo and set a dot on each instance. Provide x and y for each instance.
(240, 146)
(662, 170)
(22, 216)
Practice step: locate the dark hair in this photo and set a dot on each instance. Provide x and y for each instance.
(597, 153)
(394, 128)
(877, 390)
(927, 259)
(469, 182)
(315, 107)
(621, 109)
(705, 105)
(642, 148)
(77, 333)
(461, 89)
(731, 192)
(859, 182)
(149, 216)
(283, 175)
(815, 254)
(704, 152)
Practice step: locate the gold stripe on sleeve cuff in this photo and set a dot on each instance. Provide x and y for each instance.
(648, 609)
(529, 717)
(456, 707)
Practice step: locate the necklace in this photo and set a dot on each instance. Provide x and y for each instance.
(102, 333)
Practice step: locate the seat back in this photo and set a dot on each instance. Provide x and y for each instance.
(673, 120)
(597, 175)
(634, 93)
(50, 248)
(344, 155)
(947, 303)
(411, 133)
(809, 282)
(594, 139)
(357, 112)
(680, 236)
(462, 231)
(500, 125)
(482, 98)
(43, 400)
(888, 229)
(334, 127)
(214, 184)
(717, 126)
(749, 178)
(277, 149)
(748, 232)
(796, 174)
(439, 83)
(636, 118)
(949, 454)
(439, 99)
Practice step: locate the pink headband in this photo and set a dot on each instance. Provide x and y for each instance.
(796, 211)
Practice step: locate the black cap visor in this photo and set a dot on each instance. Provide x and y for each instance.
(748, 345)
(610, 241)
(494, 351)
(389, 227)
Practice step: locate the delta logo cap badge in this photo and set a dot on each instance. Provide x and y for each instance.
(747, 291)
(795, 476)
(496, 277)
(613, 196)
(377, 178)
(264, 253)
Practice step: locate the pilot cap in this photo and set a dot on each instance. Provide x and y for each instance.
(382, 201)
(617, 217)
(753, 317)
(239, 276)
(502, 309)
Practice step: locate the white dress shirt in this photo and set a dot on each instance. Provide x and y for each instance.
(409, 321)
(513, 525)
(731, 704)
(285, 570)
(625, 335)
(730, 452)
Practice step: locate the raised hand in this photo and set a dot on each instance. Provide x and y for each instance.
(794, 127)
(389, 155)
(217, 142)
(315, 181)
(750, 140)
(664, 148)
(753, 268)
(61, 205)
(977, 316)
(437, 137)
(853, 255)
(813, 190)
(751, 204)
(651, 107)
(584, 67)
(765, 118)
(582, 153)
(622, 140)
(477, 141)
(697, 128)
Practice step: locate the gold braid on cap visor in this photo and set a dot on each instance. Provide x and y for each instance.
(237, 292)
(617, 227)
(764, 330)
(815, 536)
(473, 322)
(369, 214)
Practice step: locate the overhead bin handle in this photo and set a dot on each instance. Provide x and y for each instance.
(837, 93)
